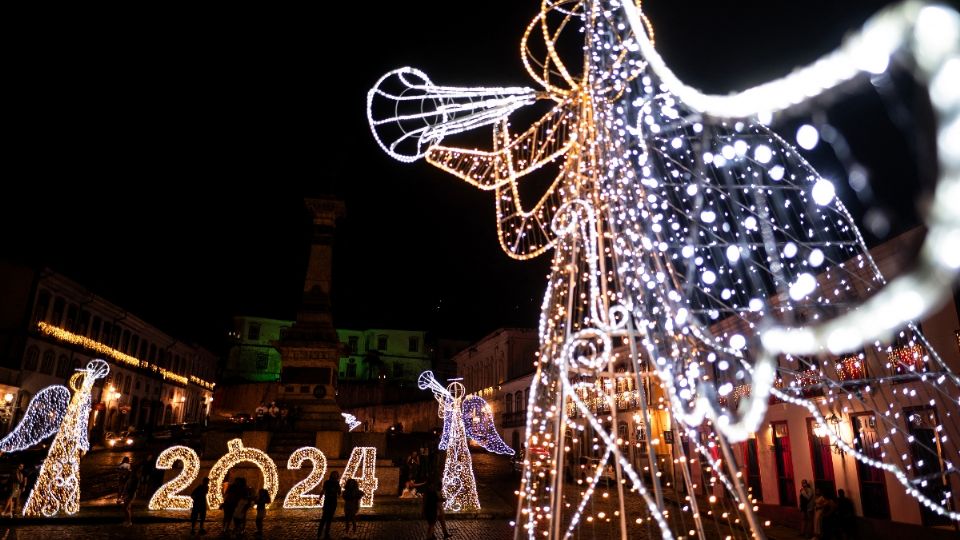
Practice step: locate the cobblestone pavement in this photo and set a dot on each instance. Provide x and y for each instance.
(281, 529)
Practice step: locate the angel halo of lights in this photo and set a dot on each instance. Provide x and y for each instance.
(53, 410)
(463, 417)
(699, 260)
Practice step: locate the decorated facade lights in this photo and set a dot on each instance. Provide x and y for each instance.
(463, 416)
(681, 235)
(99, 348)
(53, 410)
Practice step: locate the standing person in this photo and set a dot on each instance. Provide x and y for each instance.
(846, 515)
(240, 512)
(130, 492)
(231, 499)
(404, 476)
(146, 474)
(351, 503)
(331, 492)
(123, 474)
(413, 463)
(806, 509)
(433, 510)
(199, 511)
(17, 483)
(263, 499)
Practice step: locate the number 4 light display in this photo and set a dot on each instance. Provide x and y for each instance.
(694, 247)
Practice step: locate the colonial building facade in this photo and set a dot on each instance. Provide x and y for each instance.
(51, 325)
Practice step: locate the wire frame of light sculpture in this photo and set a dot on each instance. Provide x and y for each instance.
(57, 488)
(690, 246)
(166, 497)
(237, 453)
(299, 495)
(459, 485)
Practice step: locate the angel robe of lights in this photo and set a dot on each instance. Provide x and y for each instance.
(675, 239)
(463, 417)
(51, 411)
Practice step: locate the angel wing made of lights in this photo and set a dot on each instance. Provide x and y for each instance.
(42, 419)
(689, 234)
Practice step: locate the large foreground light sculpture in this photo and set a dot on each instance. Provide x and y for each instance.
(463, 416)
(701, 267)
(51, 411)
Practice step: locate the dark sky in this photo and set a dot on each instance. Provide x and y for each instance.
(161, 157)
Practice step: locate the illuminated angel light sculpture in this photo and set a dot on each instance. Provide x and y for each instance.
(463, 416)
(691, 246)
(51, 411)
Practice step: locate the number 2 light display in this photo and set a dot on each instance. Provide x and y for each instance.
(694, 246)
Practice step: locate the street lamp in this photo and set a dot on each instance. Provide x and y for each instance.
(6, 411)
(833, 432)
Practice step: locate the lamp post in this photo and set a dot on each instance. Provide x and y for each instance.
(833, 432)
(6, 410)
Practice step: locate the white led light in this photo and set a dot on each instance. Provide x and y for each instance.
(807, 137)
(823, 192)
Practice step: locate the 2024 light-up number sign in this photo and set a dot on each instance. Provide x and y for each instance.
(361, 466)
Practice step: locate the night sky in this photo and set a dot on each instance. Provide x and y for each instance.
(162, 162)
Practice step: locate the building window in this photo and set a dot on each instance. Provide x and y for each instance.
(351, 369)
(134, 344)
(125, 342)
(41, 307)
(72, 315)
(397, 370)
(381, 343)
(136, 384)
(153, 352)
(105, 333)
(46, 366)
(352, 344)
(413, 344)
(126, 384)
(509, 403)
(253, 331)
(263, 360)
(115, 336)
(58, 306)
(143, 349)
(526, 398)
(95, 328)
(63, 366)
(519, 399)
(83, 322)
(305, 389)
(31, 358)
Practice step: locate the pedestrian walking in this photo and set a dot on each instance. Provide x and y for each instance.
(123, 474)
(199, 510)
(331, 492)
(17, 484)
(130, 492)
(433, 510)
(351, 504)
(263, 499)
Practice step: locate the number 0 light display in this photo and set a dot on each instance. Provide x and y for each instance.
(701, 268)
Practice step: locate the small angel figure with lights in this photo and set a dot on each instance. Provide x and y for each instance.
(463, 416)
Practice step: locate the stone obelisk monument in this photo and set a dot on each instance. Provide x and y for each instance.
(310, 350)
